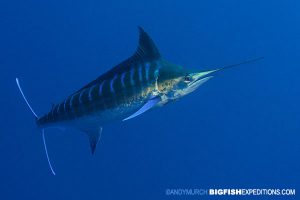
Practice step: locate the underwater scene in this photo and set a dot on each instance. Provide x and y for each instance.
(150, 99)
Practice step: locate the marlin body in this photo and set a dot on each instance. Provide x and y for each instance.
(140, 83)
(115, 95)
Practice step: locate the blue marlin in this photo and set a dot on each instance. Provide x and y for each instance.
(142, 82)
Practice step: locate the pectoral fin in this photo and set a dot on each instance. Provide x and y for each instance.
(94, 137)
(150, 104)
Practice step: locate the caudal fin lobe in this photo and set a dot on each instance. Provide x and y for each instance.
(36, 116)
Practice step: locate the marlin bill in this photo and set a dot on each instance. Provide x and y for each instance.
(142, 82)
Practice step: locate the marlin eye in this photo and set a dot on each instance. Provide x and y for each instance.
(187, 79)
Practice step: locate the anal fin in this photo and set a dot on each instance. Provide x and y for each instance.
(94, 137)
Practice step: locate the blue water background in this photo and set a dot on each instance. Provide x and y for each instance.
(239, 130)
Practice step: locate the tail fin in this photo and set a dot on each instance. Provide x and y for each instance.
(44, 140)
(36, 116)
(21, 91)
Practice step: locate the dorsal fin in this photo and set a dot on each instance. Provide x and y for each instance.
(145, 52)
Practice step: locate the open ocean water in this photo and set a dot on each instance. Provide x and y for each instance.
(239, 130)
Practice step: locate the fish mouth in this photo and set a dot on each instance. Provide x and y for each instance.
(196, 78)
(201, 75)
(195, 84)
(199, 79)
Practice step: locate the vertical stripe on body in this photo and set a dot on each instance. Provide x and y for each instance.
(112, 83)
(132, 76)
(147, 68)
(101, 88)
(140, 73)
(122, 79)
(90, 93)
